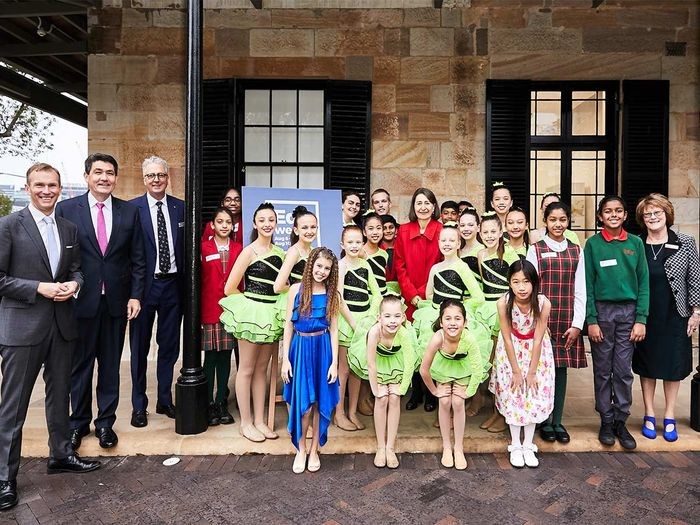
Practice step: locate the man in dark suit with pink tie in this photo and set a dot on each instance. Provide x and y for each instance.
(113, 264)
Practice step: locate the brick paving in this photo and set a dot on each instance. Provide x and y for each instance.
(641, 488)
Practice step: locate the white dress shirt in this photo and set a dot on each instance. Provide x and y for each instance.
(107, 212)
(579, 278)
(38, 217)
(153, 208)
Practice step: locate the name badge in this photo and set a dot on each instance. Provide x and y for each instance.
(671, 246)
(212, 257)
(180, 224)
(69, 247)
(608, 262)
(547, 255)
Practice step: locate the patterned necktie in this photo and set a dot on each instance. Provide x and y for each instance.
(101, 228)
(163, 246)
(51, 248)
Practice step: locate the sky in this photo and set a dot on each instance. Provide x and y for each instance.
(67, 155)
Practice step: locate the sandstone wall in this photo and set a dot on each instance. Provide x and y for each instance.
(428, 68)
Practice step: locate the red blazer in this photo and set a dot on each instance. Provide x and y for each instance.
(236, 236)
(214, 278)
(414, 256)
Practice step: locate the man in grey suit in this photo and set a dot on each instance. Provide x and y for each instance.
(39, 276)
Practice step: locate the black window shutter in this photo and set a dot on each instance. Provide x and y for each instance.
(644, 142)
(348, 121)
(218, 167)
(507, 138)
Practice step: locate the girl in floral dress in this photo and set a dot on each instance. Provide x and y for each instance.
(523, 368)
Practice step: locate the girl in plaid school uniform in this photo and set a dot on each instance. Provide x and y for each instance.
(218, 255)
(562, 272)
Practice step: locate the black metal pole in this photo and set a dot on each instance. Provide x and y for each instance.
(191, 388)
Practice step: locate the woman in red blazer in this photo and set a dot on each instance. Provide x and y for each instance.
(415, 252)
(219, 253)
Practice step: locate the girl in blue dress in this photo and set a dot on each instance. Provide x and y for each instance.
(310, 355)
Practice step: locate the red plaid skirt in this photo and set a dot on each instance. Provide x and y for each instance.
(215, 338)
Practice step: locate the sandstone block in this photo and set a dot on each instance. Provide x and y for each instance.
(432, 149)
(534, 40)
(451, 17)
(431, 41)
(398, 154)
(465, 70)
(300, 67)
(306, 18)
(456, 183)
(412, 98)
(683, 183)
(161, 41)
(421, 17)
(539, 18)
(470, 98)
(117, 125)
(232, 42)
(225, 4)
(105, 40)
(166, 125)
(665, 17)
(386, 70)
(162, 97)
(136, 18)
(584, 17)
(465, 126)
(506, 18)
(397, 42)
(434, 179)
(442, 99)
(475, 17)
(237, 18)
(333, 42)
(105, 69)
(687, 210)
(434, 126)
(625, 39)
(396, 181)
(684, 155)
(171, 69)
(236, 67)
(359, 67)
(211, 68)
(281, 42)
(383, 98)
(692, 126)
(134, 151)
(103, 97)
(683, 97)
(506, 3)
(463, 154)
(169, 18)
(389, 126)
(364, 19)
(419, 70)
(464, 41)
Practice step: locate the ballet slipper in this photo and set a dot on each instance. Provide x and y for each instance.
(314, 464)
(299, 462)
(355, 421)
(266, 431)
(365, 407)
(436, 423)
(447, 459)
(391, 460)
(476, 404)
(380, 458)
(490, 421)
(460, 460)
(343, 423)
(252, 434)
(499, 425)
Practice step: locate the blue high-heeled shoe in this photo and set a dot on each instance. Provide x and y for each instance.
(673, 434)
(649, 433)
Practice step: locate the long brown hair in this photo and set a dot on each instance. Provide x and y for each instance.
(307, 284)
(491, 216)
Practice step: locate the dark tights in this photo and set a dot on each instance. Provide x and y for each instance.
(218, 364)
(559, 394)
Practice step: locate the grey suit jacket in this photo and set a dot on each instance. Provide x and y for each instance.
(26, 316)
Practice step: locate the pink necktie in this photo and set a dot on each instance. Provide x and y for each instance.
(101, 228)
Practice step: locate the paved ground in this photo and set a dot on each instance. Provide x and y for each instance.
(641, 488)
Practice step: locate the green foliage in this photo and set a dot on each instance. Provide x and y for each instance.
(24, 131)
(5, 205)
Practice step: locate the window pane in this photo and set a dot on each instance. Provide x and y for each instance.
(545, 172)
(310, 144)
(284, 177)
(258, 176)
(284, 107)
(601, 117)
(311, 177)
(257, 145)
(587, 172)
(257, 106)
(284, 145)
(583, 209)
(583, 95)
(548, 118)
(584, 118)
(548, 95)
(311, 108)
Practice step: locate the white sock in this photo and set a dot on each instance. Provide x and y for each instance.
(529, 434)
(515, 435)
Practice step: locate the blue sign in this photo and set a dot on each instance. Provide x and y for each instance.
(325, 204)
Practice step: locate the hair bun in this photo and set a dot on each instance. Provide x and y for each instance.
(299, 210)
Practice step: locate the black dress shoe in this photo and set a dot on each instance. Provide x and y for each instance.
(8, 494)
(77, 435)
(71, 464)
(213, 414)
(606, 435)
(139, 418)
(167, 410)
(624, 436)
(108, 438)
(561, 434)
(413, 403)
(429, 405)
(547, 433)
(225, 417)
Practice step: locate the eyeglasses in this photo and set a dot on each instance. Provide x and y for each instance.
(229, 200)
(649, 215)
(152, 176)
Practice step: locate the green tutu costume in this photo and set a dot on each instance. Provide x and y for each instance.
(361, 294)
(252, 315)
(392, 287)
(472, 260)
(495, 282)
(395, 365)
(453, 282)
(521, 251)
(465, 367)
(295, 276)
(377, 261)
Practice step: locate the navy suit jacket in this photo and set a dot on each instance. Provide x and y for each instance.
(176, 211)
(122, 268)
